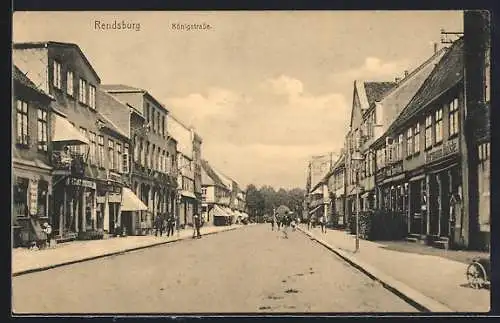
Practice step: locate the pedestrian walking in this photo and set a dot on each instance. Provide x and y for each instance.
(285, 223)
(158, 225)
(308, 223)
(196, 226)
(322, 223)
(278, 222)
(273, 221)
(170, 225)
(48, 231)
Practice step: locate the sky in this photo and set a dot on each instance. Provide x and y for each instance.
(266, 90)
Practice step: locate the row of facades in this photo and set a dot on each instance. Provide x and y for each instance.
(92, 159)
(420, 146)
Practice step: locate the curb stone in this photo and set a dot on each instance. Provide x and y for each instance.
(108, 254)
(410, 295)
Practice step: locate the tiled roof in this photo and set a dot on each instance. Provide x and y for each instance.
(19, 76)
(110, 125)
(375, 90)
(211, 173)
(448, 72)
(120, 87)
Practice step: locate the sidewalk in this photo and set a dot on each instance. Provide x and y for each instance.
(26, 261)
(433, 278)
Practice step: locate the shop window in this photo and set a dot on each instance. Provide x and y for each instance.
(454, 115)
(21, 197)
(42, 129)
(438, 126)
(428, 132)
(22, 123)
(43, 189)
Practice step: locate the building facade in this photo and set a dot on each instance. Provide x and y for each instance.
(197, 158)
(86, 198)
(154, 166)
(216, 197)
(31, 167)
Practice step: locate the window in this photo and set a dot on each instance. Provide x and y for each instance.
(56, 77)
(409, 142)
(82, 91)
(158, 122)
(125, 163)
(439, 126)
(163, 126)
(100, 159)
(93, 148)
(168, 163)
(42, 130)
(136, 149)
(416, 138)
(158, 159)
(92, 96)
(70, 89)
(147, 112)
(400, 147)
(146, 155)
(428, 132)
(153, 159)
(111, 155)
(487, 72)
(118, 159)
(142, 153)
(22, 122)
(153, 123)
(81, 149)
(453, 129)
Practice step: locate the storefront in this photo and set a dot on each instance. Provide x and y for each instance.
(32, 185)
(131, 205)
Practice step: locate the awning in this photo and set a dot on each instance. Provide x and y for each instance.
(315, 209)
(244, 215)
(218, 211)
(188, 194)
(130, 201)
(394, 178)
(228, 211)
(64, 131)
(365, 194)
(417, 178)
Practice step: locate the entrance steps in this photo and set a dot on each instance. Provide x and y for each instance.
(416, 238)
(442, 243)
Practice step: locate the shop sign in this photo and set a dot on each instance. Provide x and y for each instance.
(80, 182)
(444, 150)
(101, 199)
(115, 198)
(394, 169)
(114, 177)
(33, 197)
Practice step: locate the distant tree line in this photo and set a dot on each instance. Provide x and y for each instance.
(261, 201)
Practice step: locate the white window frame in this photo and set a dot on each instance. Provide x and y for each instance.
(82, 91)
(428, 132)
(438, 125)
(70, 86)
(454, 122)
(56, 77)
(92, 99)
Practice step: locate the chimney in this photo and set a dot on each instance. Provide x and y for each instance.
(406, 73)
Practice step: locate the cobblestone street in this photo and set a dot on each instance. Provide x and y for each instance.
(252, 269)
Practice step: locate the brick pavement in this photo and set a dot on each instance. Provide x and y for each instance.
(436, 276)
(25, 260)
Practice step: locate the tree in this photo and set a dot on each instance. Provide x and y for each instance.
(254, 201)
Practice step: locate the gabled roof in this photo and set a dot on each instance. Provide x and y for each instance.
(212, 174)
(375, 91)
(122, 88)
(339, 162)
(45, 44)
(447, 73)
(19, 76)
(110, 125)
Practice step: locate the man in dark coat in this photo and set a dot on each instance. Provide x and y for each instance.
(196, 225)
(159, 225)
(170, 225)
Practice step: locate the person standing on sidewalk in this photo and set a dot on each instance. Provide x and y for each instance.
(170, 225)
(196, 226)
(158, 225)
(322, 223)
(273, 221)
(48, 231)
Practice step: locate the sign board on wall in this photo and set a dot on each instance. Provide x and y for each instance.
(80, 182)
(33, 197)
(448, 148)
(115, 198)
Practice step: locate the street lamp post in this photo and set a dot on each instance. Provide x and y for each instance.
(357, 158)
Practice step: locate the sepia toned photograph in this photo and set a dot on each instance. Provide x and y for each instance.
(250, 162)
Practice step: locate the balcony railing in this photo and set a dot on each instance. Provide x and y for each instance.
(72, 162)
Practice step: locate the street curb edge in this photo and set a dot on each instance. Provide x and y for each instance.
(114, 253)
(411, 296)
